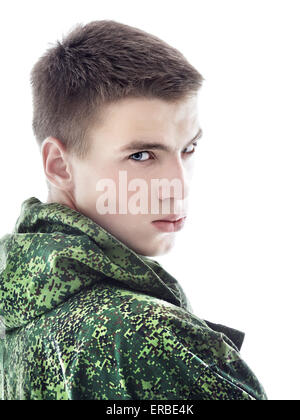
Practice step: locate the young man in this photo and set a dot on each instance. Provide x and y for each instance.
(87, 314)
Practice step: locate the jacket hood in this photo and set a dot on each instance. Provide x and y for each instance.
(54, 252)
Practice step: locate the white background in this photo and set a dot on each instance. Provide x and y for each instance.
(238, 256)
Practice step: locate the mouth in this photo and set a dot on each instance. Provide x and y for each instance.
(168, 225)
(172, 218)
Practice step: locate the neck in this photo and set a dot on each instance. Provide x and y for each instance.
(61, 197)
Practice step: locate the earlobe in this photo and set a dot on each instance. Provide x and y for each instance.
(56, 164)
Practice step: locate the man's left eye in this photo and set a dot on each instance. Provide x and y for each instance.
(193, 145)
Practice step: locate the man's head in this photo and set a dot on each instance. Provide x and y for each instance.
(106, 86)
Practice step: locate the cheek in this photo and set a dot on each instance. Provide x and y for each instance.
(104, 190)
(85, 181)
(93, 187)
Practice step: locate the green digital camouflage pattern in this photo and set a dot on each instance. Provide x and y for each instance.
(87, 318)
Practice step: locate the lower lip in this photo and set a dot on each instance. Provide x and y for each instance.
(165, 226)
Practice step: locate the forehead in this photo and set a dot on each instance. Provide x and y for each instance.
(156, 119)
(143, 112)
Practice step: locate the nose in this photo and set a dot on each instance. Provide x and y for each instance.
(173, 181)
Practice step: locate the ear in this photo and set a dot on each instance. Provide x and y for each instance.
(56, 162)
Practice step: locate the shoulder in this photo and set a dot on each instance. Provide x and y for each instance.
(129, 343)
(119, 316)
(104, 319)
(117, 309)
(111, 312)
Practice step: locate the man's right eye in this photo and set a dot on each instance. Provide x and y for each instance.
(138, 155)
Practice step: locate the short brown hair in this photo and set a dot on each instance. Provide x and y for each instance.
(97, 64)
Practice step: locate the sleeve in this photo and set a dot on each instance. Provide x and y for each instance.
(163, 358)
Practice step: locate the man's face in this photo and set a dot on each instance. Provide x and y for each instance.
(107, 177)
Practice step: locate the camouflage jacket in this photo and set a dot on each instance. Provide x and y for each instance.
(85, 317)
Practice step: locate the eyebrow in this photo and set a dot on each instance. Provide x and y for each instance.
(142, 145)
